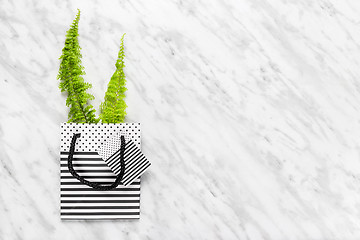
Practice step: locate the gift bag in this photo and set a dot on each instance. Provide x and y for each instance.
(101, 165)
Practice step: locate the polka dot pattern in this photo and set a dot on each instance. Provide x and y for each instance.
(93, 136)
(111, 145)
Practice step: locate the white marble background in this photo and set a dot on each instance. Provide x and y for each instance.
(250, 114)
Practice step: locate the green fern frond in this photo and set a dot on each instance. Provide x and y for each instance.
(112, 110)
(71, 80)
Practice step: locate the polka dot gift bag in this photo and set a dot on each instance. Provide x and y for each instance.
(101, 165)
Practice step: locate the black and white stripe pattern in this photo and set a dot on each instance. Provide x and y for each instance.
(79, 201)
(135, 162)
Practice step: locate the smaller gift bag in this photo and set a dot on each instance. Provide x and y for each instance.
(134, 164)
(101, 165)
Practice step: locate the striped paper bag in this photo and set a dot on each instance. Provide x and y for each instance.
(81, 201)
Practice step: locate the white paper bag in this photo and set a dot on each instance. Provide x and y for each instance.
(80, 201)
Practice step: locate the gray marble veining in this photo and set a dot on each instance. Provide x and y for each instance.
(249, 113)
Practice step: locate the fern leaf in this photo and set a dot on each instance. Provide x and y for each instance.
(71, 80)
(112, 110)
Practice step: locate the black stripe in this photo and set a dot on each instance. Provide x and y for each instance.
(71, 177)
(100, 195)
(89, 171)
(135, 172)
(86, 165)
(128, 163)
(92, 189)
(129, 167)
(116, 153)
(130, 151)
(80, 153)
(135, 166)
(140, 173)
(83, 159)
(100, 207)
(100, 201)
(127, 151)
(113, 162)
(100, 213)
(79, 183)
(133, 158)
(113, 157)
(128, 148)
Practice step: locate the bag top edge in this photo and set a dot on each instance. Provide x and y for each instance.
(127, 123)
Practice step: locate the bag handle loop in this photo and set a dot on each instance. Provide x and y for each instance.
(96, 186)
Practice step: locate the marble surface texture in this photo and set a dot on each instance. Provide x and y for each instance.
(250, 114)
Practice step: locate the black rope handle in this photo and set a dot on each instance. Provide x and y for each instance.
(96, 186)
